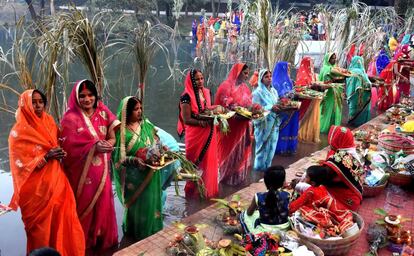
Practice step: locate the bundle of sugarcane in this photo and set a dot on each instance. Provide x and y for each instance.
(189, 171)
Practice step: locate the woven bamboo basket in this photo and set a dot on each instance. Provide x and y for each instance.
(399, 179)
(394, 142)
(336, 247)
(373, 191)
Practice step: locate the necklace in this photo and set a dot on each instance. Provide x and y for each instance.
(88, 115)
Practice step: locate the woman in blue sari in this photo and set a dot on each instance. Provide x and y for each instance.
(289, 127)
(266, 131)
(358, 93)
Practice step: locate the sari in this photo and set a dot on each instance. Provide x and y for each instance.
(317, 206)
(42, 191)
(266, 131)
(343, 160)
(390, 93)
(200, 142)
(309, 112)
(331, 106)
(372, 72)
(289, 127)
(88, 171)
(358, 92)
(140, 191)
(234, 148)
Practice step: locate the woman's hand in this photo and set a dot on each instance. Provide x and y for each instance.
(135, 162)
(203, 123)
(219, 110)
(55, 153)
(104, 146)
(275, 108)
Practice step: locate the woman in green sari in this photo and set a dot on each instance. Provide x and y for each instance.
(138, 187)
(331, 106)
(358, 93)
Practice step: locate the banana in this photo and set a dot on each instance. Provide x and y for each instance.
(238, 237)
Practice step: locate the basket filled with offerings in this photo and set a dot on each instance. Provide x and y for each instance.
(286, 104)
(330, 240)
(255, 112)
(394, 142)
(281, 243)
(375, 182)
(306, 93)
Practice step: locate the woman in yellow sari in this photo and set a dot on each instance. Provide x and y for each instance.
(309, 112)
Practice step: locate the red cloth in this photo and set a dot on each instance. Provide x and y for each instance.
(351, 53)
(339, 137)
(200, 143)
(385, 94)
(305, 77)
(88, 171)
(234, 148)
(43, 194)
(372, 71)
(253, 80)
(319, 207)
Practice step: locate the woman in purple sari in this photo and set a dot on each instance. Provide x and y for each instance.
(88, 137)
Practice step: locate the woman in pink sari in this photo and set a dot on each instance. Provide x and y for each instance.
(88, 137)
(397, 78)
(234, 148)
(200, 134)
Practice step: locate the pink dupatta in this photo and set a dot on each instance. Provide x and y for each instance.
(234, 148)
(89, 171)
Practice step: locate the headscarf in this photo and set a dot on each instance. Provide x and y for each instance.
(228, 93)
(30, 139)
(402, 53)
(340, 138)
(351, 53)
(392, 44)
(196, 105)
(281, 80)
(254, 79)
(382, 61)
(120, 151)
(305, 75)
(326, 67)
(406, 39)
(269, 95)
(357, 67)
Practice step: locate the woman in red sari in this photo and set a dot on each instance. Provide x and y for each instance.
(345, 169)
(200, 134)
(309, 112)
(88, 137)
(41, 189)
(397, 78)
(234, 148)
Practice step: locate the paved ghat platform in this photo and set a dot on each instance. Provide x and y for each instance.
(394, 200)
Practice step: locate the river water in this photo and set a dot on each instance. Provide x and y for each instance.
(161, 101)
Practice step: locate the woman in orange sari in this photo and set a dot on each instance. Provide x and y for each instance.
(88, 137)
(235, 147)
(41, 189)
(309, 112)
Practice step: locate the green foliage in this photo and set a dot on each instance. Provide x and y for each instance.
(380, 211)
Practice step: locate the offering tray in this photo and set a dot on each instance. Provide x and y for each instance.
(244, 112)
(221, 116)
(309, 94)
